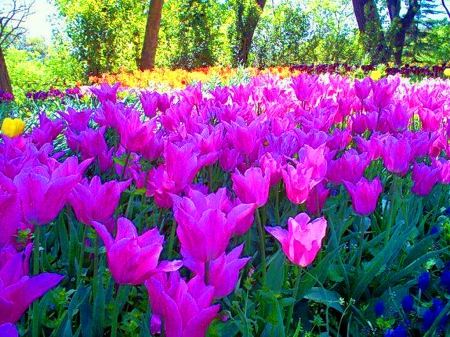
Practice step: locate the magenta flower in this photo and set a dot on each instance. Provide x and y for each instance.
(203, 229)
(397, 154)
(76, 121)
(43, 193)
(47, 131)
(317, 198)
(10, 210)
(303, 239)
(424, 178)
(349, 167)
(185, 307)
(18, 290)
(244, 138)
(135, 134)
(132, 259)
(224, 271)
(364, 195)
(106, 93)
(8, 330)
(252, 186)
(94, 201)
(363, 88)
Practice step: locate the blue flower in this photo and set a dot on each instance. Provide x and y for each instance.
(431, 314)
(407, 304)
(424, 280)
(399, 331)
(445, 280)
(434, 230)
(379, 308)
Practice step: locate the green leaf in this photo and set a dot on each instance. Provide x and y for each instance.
(327, 297)
(275, 272)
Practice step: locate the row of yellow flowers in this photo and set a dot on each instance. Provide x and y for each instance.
(179, 78)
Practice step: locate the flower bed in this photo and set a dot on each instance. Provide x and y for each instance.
(311, 204)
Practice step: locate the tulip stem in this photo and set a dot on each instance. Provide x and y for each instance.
(81, 258)
(207, 272)
(172, 239)
(35, 309)
(262, 246)
(291, 308)
(277, 203)
(119, 303)
(127, 159)
(210, 178)
(396, 188)
(361, 242)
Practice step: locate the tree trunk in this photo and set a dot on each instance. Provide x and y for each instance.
(246, 29)
(148, 54)
(5, 81)
(399, 27)
(369, 25)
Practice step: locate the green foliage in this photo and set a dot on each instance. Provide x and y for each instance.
(280, 33)
(106, 35)
(191, 34)
(434, 47)
(34, 66)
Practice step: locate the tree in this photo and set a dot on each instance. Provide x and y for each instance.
(148, 54)
(381, 45)
(106, 35)
(11, 18)
(247, 14)
(190, 34)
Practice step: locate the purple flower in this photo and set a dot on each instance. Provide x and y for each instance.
(8, 330)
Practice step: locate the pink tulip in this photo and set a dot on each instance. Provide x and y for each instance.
(18, 290)
(252, 186)
(349, 167)
(317, 198)
(76, 121)
(364, 195)
(135, 134)
(106, 92)
(424, 178)
(43, 194)
(132, 259)
(224, 271)
(303, 239)
(397, 154)
(47, 131)
(185, 307)
(363, 88)
(204, 232)
(94, 201)
(10, 210)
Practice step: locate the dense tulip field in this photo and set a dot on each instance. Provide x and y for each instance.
(311, 205)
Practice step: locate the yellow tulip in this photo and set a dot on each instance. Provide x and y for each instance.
(375, 75)
(12, 127)
(447, 72)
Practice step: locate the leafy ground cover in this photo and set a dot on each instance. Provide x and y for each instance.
(306, 205)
